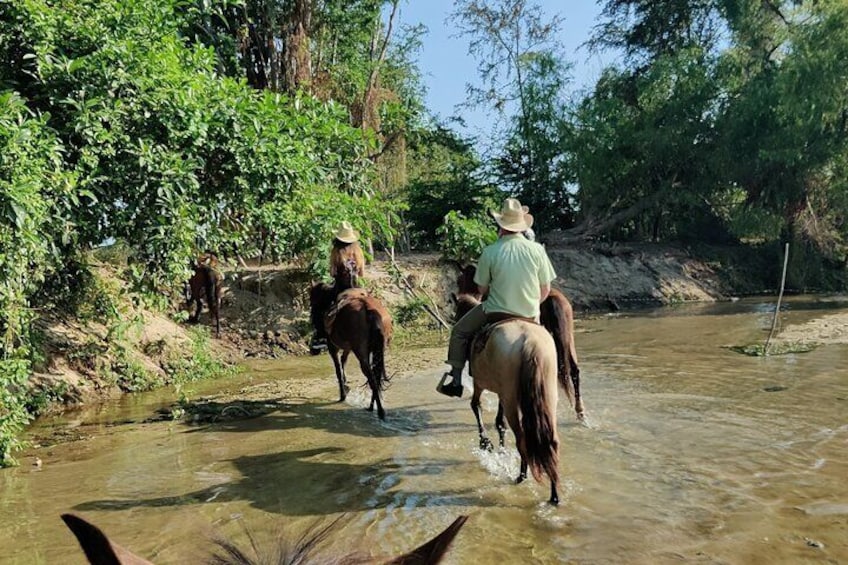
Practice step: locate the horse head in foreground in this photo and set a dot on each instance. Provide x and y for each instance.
(206, 284)
(516, 359)
(100, 550)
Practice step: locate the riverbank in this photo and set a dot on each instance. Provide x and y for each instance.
(265, 314)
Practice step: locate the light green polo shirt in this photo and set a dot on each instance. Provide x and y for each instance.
(514, 268)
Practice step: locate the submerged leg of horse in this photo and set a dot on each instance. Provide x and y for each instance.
(485, 442)
(578, 400)
(340, 375)
(500, 424)
(366, 368)
(345, 355)
(515, 425)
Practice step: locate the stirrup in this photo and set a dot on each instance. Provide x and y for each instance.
(449, 389)
(318, 346)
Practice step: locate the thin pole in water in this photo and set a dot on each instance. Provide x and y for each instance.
(779, 298)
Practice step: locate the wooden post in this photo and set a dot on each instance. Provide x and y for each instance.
(779, 299)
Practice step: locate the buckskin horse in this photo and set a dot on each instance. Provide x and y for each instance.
(516, 359)
(100, 550)
(557, 316)
(205, 284)
(353, 321)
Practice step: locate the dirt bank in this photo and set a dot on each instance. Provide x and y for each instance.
(266, 311)
(265, 315)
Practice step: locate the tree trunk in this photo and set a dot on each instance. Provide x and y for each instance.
(297, 67)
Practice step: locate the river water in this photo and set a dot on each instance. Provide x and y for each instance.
(693, 453)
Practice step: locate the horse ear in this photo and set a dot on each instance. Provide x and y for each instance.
(434, 550)
(97, 547)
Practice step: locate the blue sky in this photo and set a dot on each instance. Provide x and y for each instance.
(447, 66)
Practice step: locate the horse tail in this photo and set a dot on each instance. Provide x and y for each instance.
(378, 335)
(560, 323)
(538, 425)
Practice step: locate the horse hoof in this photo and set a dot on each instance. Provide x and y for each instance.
(486, 444)
(554, 501)
(342, 398)
(381, 414)
(370, 408)
(520, 479)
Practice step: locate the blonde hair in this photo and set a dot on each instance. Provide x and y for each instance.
(343, 252)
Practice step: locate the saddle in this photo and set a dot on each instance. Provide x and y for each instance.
(343, 298)
(493, 320)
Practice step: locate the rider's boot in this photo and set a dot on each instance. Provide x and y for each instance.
(453, 388)
(318, 344)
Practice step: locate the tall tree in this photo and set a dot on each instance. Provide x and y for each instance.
(509, 38)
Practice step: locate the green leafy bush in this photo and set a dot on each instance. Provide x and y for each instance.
(462, 239)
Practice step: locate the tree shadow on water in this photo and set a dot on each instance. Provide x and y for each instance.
(310, 482)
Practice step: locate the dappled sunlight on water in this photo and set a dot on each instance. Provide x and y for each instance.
(687, 456)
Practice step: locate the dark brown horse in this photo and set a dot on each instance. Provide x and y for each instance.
(347, 264)
(354, 321)
(557, 316)
(205, 284)
(100, 550)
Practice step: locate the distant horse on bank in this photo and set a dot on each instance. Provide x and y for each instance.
(100, 550)
(353, 321)
(557, 316)
(205, 284)
(516, 359)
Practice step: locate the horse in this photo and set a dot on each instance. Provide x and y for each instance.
(517, 360)
(347, 264)
(354, 321)
(557, 316)
(206, 283)
(100, 550)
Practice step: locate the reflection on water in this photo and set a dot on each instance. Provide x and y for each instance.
(689, 457)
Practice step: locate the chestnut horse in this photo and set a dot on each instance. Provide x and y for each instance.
(516, 359)
(354, 321)
(557, 316)
(100, 550)
(205, 284)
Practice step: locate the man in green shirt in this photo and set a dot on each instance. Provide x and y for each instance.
(515, 273)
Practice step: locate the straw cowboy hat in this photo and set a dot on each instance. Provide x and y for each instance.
(513, 216)
(346, 233)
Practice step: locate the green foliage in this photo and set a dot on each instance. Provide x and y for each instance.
(117, 123)
(462, 239)
(13, 413)
(197, 363)
(759, 349)
(32, 186)
(444, 174)
(726, 119)
(410, 312)
(39, 399)
(533, 163)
